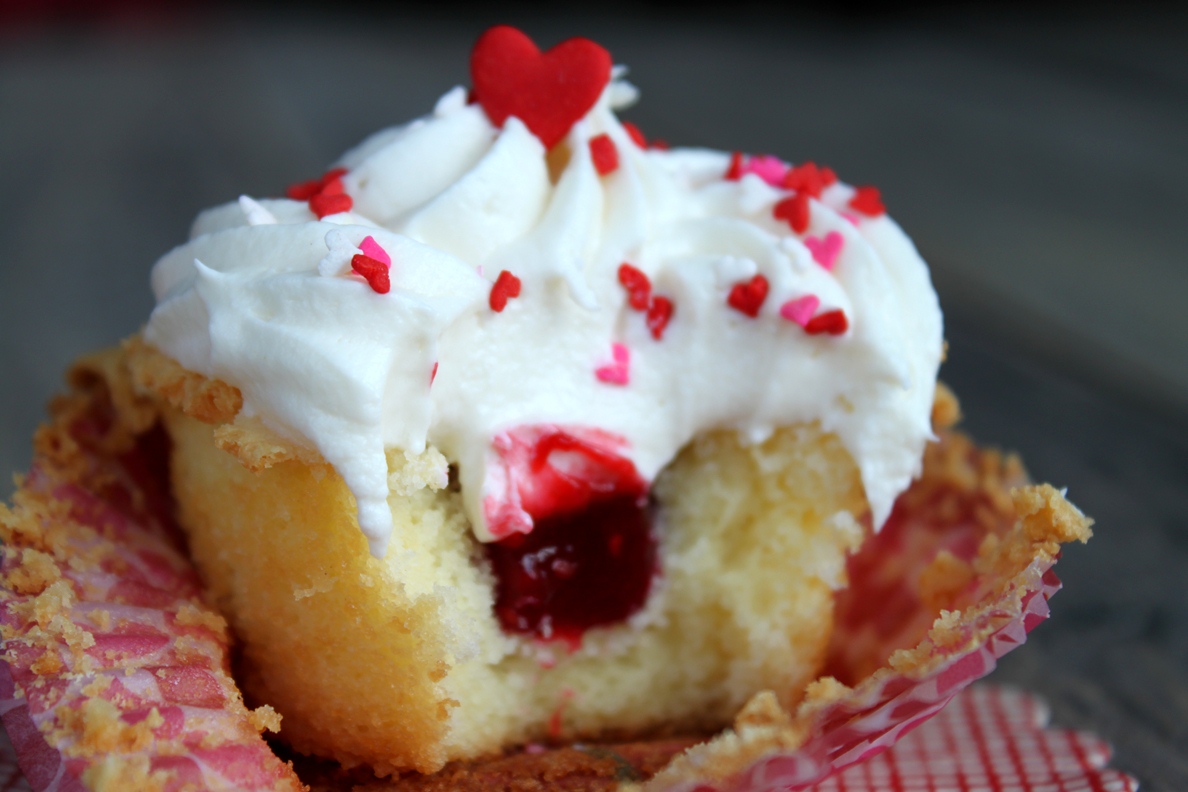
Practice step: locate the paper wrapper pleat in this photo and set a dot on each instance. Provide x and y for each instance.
(116, 674)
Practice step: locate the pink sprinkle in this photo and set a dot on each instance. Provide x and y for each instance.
(372, 249)
(825, 250)
(535, 749)
(616, 373)
(771, 169)
(853, 218)
(801, 309)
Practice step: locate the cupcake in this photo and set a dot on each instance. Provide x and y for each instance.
(513, 427)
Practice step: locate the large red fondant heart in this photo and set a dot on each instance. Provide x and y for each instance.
(548, 91)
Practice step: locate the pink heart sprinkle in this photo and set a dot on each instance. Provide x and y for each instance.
(825, 250)
(853, 218)
(616, 373)
(770, 169)
(800, 310)
(372, 249)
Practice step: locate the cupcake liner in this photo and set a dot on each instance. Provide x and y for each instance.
(991, 739)
(116, 674)
(115, 671)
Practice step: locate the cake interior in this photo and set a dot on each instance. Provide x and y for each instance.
(400, 662)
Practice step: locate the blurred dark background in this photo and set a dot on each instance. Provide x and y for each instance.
(1038, 154)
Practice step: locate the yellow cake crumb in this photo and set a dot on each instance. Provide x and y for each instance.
(265, 718)
(35, 572)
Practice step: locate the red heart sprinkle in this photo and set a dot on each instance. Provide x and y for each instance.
(659, 314)
(604, 154)
(323, 205)
(795, 211)
(639, 288)
(637, 136)
(868, 201)
(506, 286)
(808, 178)
(748, 297)
(831, 322)
(734, 172)
(333, 186)
(548, 91)
(374, 272)
(303, 191)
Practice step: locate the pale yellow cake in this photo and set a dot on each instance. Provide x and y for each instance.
(399, 662)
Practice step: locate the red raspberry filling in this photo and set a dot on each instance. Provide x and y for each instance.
(590, 557)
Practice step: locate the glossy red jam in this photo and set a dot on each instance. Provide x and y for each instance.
(590, 557)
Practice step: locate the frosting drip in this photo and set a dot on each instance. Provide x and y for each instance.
(263, 297)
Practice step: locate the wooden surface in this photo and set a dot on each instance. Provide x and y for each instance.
(1039, 162)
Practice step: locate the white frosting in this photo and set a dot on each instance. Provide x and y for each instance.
(261, 297)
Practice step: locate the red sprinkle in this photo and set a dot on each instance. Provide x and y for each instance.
(604, 154)
(868, 201)
(831, 322)
(660, 145)
(323, 205)
(748, 297)
(303, 191)
(639, 288)
(734, 172)
(374, 272)
(808, 178)
(549, 91)
(506, 286)
(333, 186)
(637, 136)
(433, 374)
(795, 211)
(659, 315)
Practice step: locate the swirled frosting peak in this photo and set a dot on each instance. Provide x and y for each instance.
(628, 296)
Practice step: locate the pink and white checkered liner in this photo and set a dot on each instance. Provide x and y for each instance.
(886, 708)
(989, 739)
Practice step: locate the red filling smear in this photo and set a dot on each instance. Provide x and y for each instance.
(548, 91)
(794, 210)
(659, 315)
(748, 296)
(373, 271)
(577, 549)
(808, 178)
(505, 287)
(637, 135)
(604, 154)
(868, 201)
(639, 288)
(831, 322)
